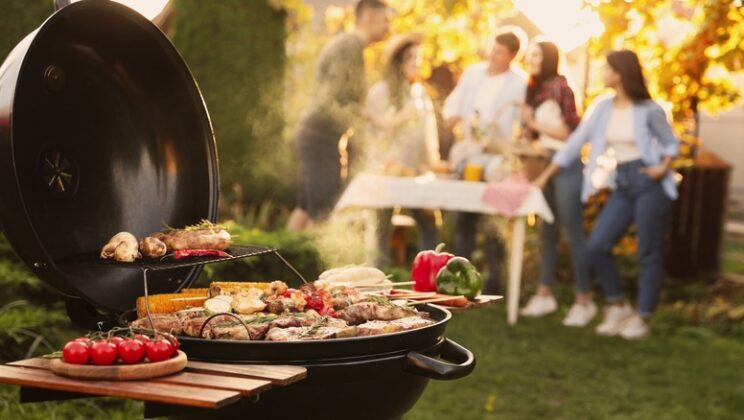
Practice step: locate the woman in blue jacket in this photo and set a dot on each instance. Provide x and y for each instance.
(632, 147)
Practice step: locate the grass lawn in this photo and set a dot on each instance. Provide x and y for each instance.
(692, 367)
(540, 369)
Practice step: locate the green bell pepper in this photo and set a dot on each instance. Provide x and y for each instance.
(459, 277)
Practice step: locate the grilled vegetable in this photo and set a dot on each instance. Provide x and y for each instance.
(196, 292)
(171, 302)
(216, 306)
(459, 277)
(121, 247)
(426, 266)
(217, 288)
(186, 253)
(152, 247)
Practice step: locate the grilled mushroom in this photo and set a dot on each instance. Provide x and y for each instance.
(121, 247)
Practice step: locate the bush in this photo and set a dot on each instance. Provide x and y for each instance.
(297, 249)
(235, 49)
(20, 18)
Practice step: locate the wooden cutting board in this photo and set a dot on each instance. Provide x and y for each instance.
(120, 372)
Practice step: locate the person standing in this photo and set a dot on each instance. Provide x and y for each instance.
(403, 138)
(485, 100)
(549, 116)
(632, 151)
(338, 91)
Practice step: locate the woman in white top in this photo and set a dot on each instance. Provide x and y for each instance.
(402, 138)
(549, 118)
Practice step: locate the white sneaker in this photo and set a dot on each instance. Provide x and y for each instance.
(615, 319)
(635, 329)
(580, 315)
(539, 306)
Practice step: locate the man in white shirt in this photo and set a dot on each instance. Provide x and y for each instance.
(488, 94)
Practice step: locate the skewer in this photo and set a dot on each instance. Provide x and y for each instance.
(441, 299)
(413, 295)
(363, 285)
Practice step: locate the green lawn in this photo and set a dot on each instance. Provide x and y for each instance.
(539, 369)
(692, 367)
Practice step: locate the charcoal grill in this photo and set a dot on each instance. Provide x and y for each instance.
(103, 129)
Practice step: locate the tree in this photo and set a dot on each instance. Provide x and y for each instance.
(689, 49)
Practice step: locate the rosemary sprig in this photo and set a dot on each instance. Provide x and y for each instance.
(382, 300)
(257, 320)
(315, 327)
(203, 224)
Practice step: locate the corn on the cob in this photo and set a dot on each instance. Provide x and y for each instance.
(170, 302)
(230, 287)
(195, 292)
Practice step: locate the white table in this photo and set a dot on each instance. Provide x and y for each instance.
(428, 192)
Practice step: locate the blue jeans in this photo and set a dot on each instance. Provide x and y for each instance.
(640, 200)
(563, 194)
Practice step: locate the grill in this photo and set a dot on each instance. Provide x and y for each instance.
(103, 129)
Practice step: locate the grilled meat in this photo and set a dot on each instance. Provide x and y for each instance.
(169, 323)
(278, 304)
(370, 311)
(384, 327)
(192, 326)
(236, 331)
(343, 297)
(152, 247)
(322, 329)
(194, 239)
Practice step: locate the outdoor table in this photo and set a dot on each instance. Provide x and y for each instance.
(428, 192)
(200, 386)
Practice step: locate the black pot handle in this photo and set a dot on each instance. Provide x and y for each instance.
(456, 362)
(58, 4)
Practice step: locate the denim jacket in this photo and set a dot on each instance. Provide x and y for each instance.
(653, 136)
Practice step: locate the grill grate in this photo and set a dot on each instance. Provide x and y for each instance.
(168, 262)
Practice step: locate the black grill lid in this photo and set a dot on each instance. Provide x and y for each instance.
(102, 129)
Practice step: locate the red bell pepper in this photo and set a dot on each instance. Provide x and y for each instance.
(185, 253)
(425, 267)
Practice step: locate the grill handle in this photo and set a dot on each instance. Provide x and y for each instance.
(456, 362)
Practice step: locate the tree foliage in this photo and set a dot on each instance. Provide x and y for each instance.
(689, 49)
(236, 51)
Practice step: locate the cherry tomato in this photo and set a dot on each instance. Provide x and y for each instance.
(158, 350)
(84, 340)
(116, 341)
(174, 342)
(76, 352)
(142, 338)
(314, 302)
(103, 353)
(131, 351)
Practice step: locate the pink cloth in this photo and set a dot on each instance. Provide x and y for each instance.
(508, 195)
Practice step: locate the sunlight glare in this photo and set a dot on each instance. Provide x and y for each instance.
(566, 22)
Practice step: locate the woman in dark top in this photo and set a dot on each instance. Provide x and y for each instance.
(549, 117)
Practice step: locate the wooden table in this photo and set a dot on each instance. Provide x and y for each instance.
(367, 191)
(201, 385)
